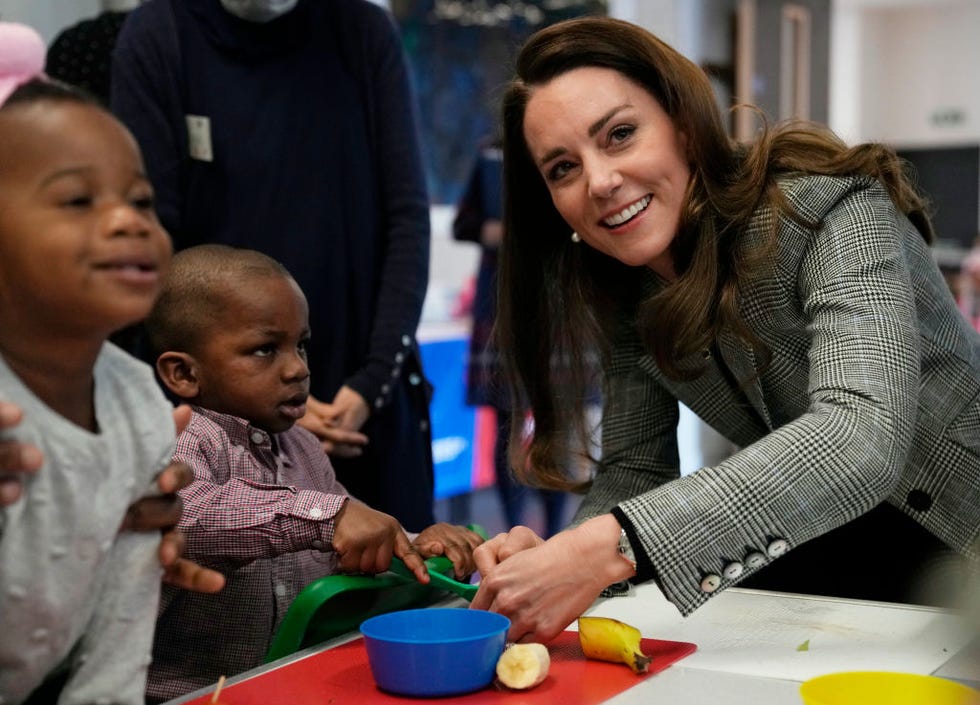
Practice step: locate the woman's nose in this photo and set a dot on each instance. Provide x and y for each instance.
(603, 179)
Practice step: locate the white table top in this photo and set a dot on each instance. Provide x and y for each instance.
(747, 644)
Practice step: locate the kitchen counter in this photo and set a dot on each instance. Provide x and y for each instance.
(750, 645)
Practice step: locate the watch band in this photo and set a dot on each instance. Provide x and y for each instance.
(625, 549)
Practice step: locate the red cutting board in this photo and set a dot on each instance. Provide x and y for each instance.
(342, 676)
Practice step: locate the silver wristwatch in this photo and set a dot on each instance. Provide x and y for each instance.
(625, 549)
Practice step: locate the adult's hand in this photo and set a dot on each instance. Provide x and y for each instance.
(365, 540)
(338, 424)
(544, 586)
(16, 459)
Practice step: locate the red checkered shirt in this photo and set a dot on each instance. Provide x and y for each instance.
(261, 510)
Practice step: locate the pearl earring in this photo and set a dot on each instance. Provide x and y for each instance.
(576, 237)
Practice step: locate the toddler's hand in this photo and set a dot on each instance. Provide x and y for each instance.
(365, 540)
(454, 542)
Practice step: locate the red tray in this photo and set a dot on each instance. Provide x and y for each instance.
(342, 676)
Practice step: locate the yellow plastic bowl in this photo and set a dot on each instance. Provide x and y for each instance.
(883, 688)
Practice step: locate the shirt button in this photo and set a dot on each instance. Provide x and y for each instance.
(424, 425)
(258, 437)
(732, 570)
(777, 548)
(414, 379)
(57, 552)
(385, 388)
(280, 590)
(399, 357)
(316, 512)
(710, 583)
(17, 592)
(395, 372)
(378, 403)
(39, 634)
(406, 341)
(755, 559)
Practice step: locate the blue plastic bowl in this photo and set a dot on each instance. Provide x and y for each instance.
(434, 651)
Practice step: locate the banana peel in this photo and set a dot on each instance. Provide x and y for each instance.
(608, 639)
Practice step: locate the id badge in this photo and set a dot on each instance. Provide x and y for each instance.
(199, 138)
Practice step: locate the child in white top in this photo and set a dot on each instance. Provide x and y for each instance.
(81, 255)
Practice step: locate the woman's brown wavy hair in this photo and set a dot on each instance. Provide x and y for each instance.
(558, 303)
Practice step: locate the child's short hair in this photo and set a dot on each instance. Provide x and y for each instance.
(41, 89)
(193, 295)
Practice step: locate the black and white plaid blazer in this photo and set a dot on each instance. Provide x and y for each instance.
(872, 393)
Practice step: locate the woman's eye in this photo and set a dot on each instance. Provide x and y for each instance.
(304, 346)
(621, 133)
(558, 170)
(265, 351)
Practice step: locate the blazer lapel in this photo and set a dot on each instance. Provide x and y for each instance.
(741, 361)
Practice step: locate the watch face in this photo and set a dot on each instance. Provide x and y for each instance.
(626, 548)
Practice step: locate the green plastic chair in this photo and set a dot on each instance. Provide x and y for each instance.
(337, 604)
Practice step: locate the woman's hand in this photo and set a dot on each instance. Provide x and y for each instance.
(544, 586)
(454, 542)
(338, 424)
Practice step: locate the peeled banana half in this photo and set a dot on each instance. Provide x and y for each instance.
(608, 639)
(523, 666)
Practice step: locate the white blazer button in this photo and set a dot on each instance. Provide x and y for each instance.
(777, 548)
(755, 559)
(257, 436)
(732, 570)
(710, 583)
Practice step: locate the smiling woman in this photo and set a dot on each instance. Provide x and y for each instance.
(782, 290)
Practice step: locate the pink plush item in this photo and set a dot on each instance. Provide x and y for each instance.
(22, 57)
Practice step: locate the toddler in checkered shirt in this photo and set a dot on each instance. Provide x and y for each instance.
(231, 333)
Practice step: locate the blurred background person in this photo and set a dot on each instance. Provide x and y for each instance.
(289, 127)
(81, 54)
(478, 219)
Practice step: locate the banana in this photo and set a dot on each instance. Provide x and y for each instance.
(609, 639)
(523, 666)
